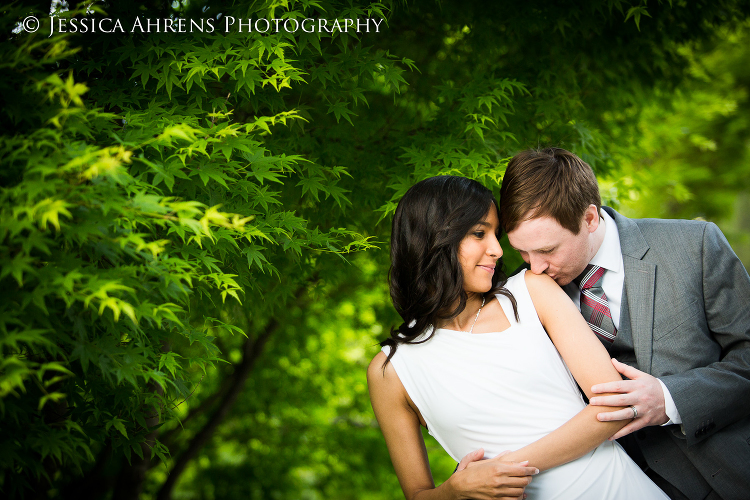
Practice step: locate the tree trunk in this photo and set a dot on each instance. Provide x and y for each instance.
(204, 406)
(95, 484)
(129, 484)
(251, 351)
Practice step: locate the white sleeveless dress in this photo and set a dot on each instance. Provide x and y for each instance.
(501, 391)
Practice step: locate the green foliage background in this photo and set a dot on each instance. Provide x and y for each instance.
(194, 227)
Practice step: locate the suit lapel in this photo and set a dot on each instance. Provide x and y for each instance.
(640, 280)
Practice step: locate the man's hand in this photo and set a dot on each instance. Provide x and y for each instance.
(642, 391)
(491, 479)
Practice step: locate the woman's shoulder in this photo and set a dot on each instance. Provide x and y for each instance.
(525, 276)
(381, 366)
(546, 295)
(530, 291)
(382, 377)
(377, 362)
(377, 369)
(513, 282)
(538, 283)
(526, 281)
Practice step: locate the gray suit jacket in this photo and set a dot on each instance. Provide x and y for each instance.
(688, 303)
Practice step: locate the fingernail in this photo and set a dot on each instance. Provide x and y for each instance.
(524, 463)
(536, 471)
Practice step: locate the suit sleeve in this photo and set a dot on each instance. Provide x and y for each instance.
(712, 397)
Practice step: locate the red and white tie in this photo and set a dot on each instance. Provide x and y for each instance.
(594, 305)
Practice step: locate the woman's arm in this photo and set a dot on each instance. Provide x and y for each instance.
(589, 363)
(399, 421)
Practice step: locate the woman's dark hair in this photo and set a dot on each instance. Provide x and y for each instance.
(426, 281)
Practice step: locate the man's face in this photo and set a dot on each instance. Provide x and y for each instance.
(551, 249)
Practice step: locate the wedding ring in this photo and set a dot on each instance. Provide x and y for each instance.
(635, 412)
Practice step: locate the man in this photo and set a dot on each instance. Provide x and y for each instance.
(669, 299)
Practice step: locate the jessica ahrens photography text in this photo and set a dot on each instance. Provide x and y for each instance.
(223, 24)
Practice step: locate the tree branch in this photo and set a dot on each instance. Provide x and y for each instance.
(251, 352)
(167, 439)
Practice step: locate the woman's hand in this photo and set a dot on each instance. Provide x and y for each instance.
(491, 479)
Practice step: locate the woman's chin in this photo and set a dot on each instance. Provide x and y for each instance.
(479, 289)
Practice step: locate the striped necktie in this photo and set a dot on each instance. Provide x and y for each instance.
(594, 305)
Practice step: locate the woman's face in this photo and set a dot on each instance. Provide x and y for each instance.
(478, 253)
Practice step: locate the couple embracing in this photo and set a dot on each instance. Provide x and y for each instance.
(489, 364)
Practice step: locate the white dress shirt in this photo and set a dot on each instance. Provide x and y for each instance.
(609, 257)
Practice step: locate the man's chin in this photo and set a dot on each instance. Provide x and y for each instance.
(562, 280)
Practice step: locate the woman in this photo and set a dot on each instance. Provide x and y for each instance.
(488, 375)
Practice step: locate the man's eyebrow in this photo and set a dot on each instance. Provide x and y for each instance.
(543, 249)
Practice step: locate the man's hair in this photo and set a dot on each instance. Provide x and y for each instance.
(548, 182)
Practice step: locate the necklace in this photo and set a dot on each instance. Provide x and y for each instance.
(476, 317)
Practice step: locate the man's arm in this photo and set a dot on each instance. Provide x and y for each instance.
(709, 397)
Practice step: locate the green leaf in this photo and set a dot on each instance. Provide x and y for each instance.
(118, 424)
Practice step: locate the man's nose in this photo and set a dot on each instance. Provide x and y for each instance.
(538, 265)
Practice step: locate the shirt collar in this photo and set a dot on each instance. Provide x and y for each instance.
(609, 255)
